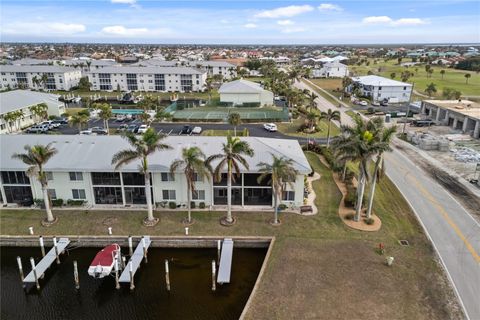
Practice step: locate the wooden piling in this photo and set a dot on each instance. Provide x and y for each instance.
(130, 245)
(20, 268)
(117, 284)
(132, 284)
(32, 262)
(30, 229)
(124, 262)
(213, 275)
(56, 249)
(144, 249)
(75, 275)
(219, 247)
(42, 246)
(167, 275)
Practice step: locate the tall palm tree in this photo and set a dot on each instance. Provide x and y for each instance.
(44, 80)
(143, 147)
(312, 117)
(467, 76)
(280, 172)
(79, 120)
(330, 115)
(311, 99)
(234, 119)
(385, 137)
(358, 144)
(231, 157)
(193, 165)
(105, 113)
(36, 157)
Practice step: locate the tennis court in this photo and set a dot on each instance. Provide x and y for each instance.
(221, 113)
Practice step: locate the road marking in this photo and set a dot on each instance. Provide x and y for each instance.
(444, 213)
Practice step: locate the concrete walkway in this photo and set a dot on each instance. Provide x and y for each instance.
(311, 196)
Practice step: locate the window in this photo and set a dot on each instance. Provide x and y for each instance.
(106, 178)
(197, 178)
(168, 194)
(404, 88)
(198, 195)
(15, 177)
(49, 176)
(288, 196)
(167, 176)
(52, 194)
(78, 194)
(379, 88)
(76, 176)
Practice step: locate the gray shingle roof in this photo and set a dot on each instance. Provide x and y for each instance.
(240, 86)
(17, 99)
(94, 153)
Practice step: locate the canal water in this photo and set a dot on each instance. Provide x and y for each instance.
(190, 297)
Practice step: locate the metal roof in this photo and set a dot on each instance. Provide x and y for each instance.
(373, 80)
(94, 153)
(147, 70)
(240, 86)
(18, 99)
(36, 69)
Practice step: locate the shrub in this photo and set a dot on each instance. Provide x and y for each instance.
(57, 202)
(351, 197)
(370, 110)
(192, 205)
(369, 221)
(349, 216)
(201, 205)
(172, 205)
(71, 202)
(38, 202)
(282, 206)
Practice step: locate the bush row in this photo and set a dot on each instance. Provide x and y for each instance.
(60, 202)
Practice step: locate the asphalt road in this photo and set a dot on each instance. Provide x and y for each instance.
(455, 234)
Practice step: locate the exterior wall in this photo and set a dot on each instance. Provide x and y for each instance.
(393, 94)
(264, 98)
(63, 80)
(63, 186)
(226, 72)
(146, 81)
(328, 72)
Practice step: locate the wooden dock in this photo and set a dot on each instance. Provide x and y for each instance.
(135, 260)
(225, 267)
(47, 261)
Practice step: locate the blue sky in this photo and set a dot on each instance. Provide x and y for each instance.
(240, 22)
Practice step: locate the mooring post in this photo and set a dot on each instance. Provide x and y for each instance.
(117, 284)
(56, 249)
(213, 275)
(132, 285)
(30, 229)
(219, 247)
(42, 247)
(186, 231)
(130, 245)
(167, 275)
(75, 275)
(124, 262)
(109, 231)
(20, 269)
(32, 262)
(144, 249)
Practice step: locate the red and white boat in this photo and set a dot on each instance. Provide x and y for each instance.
(104, 262)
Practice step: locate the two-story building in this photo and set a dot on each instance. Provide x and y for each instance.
(379, 88)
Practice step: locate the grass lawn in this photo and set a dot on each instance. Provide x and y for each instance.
(291, 129)
(73, 111)
(453, 78)
(319, 268)
(224, 133)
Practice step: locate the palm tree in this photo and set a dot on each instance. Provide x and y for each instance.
(105, 113)
(209, 83)
(143, 147)
(312, 117)
(36, 157)
(79, 120)
(467, 76)
(442, 72)
(385, 137)
(311, 96)
(431, 89)
(231, 157)
(44, 80)
(234, 119)
(329, 116)
(193, 166)
(10, 118)
(35, 81)
(280, 172)
(358, 144)
(39, 110)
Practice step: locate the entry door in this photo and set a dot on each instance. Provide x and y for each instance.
(128, 196)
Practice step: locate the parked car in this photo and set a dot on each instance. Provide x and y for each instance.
(375, 103)
(60, 122)
(37, 129)
(99, 130)
(272, 127)
(87, 132)
(123, 127)
(197, 130)
(120, 118)
(364, 103)
(422, 123)
(133, 128)
(49, 124)
(143, 128)
(186, 130)
(384, 103)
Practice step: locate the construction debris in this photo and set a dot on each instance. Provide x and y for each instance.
(464, 154)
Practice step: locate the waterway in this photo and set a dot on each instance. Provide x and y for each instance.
(190, 297)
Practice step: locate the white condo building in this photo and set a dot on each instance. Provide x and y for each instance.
(380, 88)
(24, 76)
(163, 79)
(22, 100)
(82, 170)
(227, 70)
(331, 70)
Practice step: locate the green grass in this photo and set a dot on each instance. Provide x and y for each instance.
(224, 133)
(73, 111)
(290, 128)
(453, 78)
(317, 263)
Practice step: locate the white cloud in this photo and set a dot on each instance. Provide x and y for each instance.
(134, 32)
(224, 21)
(124, 1)
(285, 22)
(377, 19)
(293, 30)
(44, 28)
(409, 22)
(329, 7)
(389, 21)
(284, 12)
(250, 26)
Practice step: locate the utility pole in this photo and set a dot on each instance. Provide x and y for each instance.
(408, 109)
